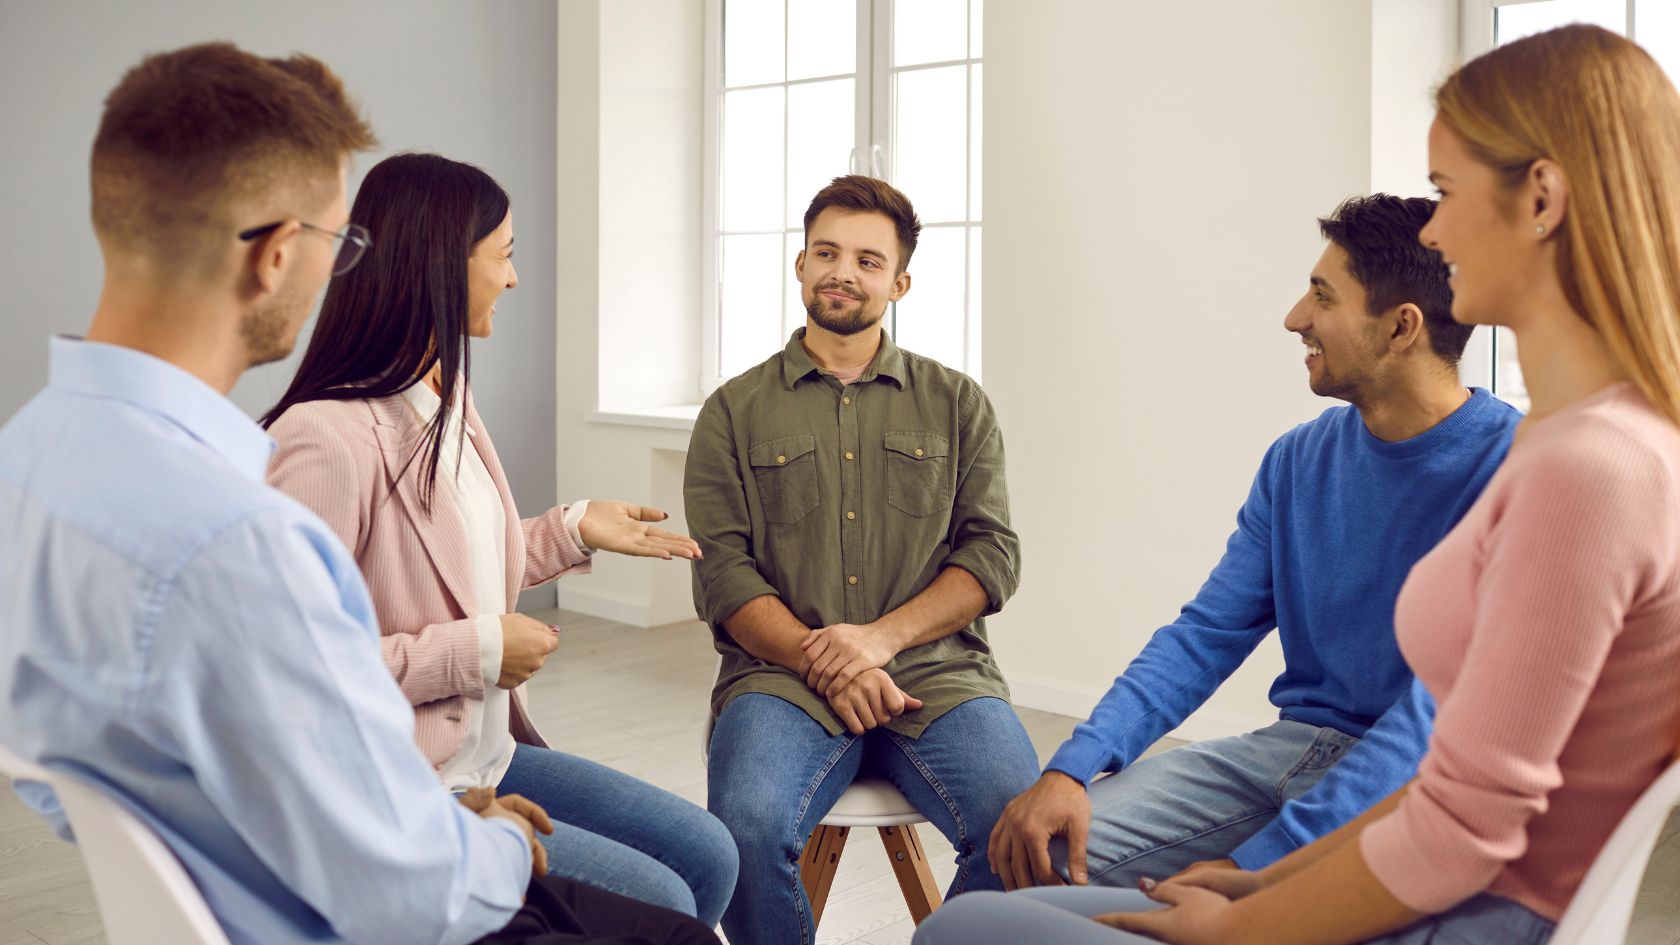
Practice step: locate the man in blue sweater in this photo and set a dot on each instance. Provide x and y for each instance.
(1341, 509)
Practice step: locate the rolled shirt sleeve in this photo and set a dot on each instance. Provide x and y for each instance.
(715, 500)
(982, 542)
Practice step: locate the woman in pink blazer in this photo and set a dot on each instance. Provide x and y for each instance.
(417, 494)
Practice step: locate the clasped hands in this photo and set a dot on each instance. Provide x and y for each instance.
(843, 663)
(526, 815)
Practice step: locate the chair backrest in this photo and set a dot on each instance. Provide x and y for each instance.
(17, 768)
(144, 894)
(1602, 907)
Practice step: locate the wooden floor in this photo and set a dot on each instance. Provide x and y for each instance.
(636, 700)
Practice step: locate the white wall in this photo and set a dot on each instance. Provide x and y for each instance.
(472, 81)
(601, 250)
(1153, 171)
(1150, 220)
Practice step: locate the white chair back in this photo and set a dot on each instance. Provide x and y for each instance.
(144, 894)
(17, 768)
(1602, 907)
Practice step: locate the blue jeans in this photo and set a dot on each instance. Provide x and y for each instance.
(1061, 914)
(1199, 801)
(775, 773)
(626, 836)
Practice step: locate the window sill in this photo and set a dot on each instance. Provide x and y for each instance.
(679, 417)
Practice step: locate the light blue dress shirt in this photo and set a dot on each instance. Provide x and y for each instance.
(203, 646)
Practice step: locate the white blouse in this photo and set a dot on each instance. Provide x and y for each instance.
(488, 749)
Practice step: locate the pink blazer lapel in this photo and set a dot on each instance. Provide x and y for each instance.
(400, 435)
(515, 554)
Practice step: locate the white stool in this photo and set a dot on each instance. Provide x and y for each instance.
(871, 802)
(868, 802)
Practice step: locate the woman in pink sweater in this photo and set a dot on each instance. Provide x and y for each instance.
(1547, 623)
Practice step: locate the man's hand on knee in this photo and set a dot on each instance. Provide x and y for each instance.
(1056, 806)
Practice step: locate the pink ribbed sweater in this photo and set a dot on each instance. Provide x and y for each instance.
(1547, 627)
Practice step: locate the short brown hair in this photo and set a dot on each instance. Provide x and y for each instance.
(859, 194)
(187, 133)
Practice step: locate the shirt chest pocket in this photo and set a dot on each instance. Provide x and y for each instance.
(785, 472)
(918, 473)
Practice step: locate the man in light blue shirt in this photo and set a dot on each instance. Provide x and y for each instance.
(194, 642)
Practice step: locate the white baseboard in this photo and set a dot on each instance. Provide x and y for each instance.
(636, 612)
(1077, 703)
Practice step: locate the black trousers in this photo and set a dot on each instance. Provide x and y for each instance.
(563, 912)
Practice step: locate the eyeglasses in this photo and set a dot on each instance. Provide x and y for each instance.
(355, 241)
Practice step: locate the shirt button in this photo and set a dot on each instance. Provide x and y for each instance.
(852, 579)
(848, 454)
(850, 516)
(846, 400)
(780, 460)
(918, 452)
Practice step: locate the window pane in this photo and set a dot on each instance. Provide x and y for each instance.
(753, 51)
(752, 159)
(820, 139)
(793, 307)
(1526, 19)
(974, 140)
(821, 38)
(1656, 25)
(930, 143)
(929, 31)
(749, 301)
(976, 28)
(931, 317)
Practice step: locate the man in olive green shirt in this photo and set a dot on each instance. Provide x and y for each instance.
(849, 501)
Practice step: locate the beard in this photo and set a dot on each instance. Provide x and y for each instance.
(270, 331)
(843, 318)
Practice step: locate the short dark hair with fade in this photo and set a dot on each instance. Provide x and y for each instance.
(187, 133)
(1380, 235)
(858, 194)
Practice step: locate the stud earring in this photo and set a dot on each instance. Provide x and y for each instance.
(1540, 228)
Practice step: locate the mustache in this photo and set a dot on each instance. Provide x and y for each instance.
(836, 287)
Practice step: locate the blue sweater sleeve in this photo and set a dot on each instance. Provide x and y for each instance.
(1185, 661)
(1384, 760)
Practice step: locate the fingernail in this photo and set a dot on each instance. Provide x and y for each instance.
(554, 628)
(1146, 884)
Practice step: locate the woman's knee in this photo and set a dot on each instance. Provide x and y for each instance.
(960, 921)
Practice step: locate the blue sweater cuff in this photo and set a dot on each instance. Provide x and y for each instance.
(1265, 848)
(1079, 759)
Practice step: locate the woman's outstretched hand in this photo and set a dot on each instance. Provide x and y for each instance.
(619, 526)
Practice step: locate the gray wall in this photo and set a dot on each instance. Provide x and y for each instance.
(474, 81)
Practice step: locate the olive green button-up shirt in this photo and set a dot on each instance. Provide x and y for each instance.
(846, 502)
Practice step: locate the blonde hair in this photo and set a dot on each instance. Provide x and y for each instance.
(1602, 109)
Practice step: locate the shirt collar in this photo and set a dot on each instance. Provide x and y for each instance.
(94, 369)
(426, 402)
(888, 363)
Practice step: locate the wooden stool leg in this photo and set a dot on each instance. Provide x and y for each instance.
(915, 877)
(818, 863)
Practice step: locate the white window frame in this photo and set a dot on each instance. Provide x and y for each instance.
(1480, 364)
(872, 154)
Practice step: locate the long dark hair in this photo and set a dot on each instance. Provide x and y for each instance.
(385, 323)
